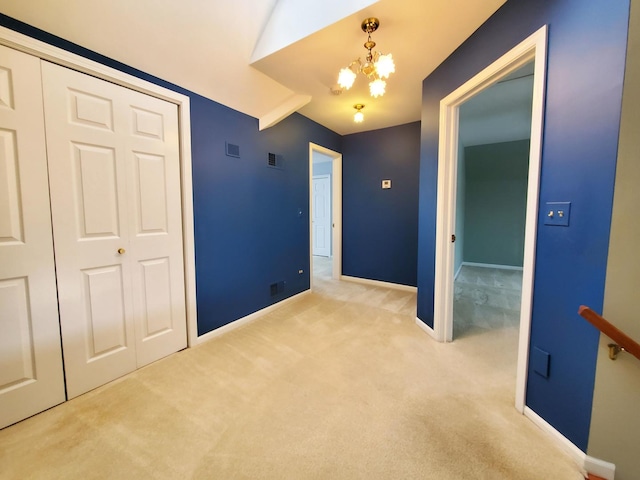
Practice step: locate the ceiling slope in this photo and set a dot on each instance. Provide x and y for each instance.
(293, 20)
(419, 34)
(203, 46)
(298, 47)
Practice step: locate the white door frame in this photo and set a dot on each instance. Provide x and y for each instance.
(62, 57)
(336, 210)
(533, 48)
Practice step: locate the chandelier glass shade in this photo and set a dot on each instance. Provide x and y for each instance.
(376, 66)
(358, 117)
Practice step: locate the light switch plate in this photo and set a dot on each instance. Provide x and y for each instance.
(557, 213)
(386, 184)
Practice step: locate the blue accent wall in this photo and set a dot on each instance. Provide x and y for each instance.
(586, 58)
(251, 221)
(380, 227)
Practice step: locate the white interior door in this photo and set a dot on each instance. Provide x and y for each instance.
(322, 215)
(31, 377)
(155, 227)
(86, 152)
(115, 199)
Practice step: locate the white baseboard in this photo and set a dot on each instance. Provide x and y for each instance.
(426, 328)
(378, 283)
(563, 442)
(248, 319)
(491, 265)
(600, 468)
(455, 276)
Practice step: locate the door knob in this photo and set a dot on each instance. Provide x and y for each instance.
(121, 251)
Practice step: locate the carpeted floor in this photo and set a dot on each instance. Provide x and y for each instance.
(487, 299)
(339, 384)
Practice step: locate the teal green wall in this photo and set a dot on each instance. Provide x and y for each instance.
(495, 202)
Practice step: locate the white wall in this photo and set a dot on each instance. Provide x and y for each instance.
(615, 421)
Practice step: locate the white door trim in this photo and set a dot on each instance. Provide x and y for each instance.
(62, 57)
(533, 48)
(336, 209)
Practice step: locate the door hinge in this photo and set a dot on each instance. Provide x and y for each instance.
(453, 237)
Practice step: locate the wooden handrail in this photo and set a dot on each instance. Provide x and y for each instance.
(623, 340)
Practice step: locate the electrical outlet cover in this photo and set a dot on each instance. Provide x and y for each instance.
(540, 361)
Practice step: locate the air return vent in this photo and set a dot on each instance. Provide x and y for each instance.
(232, 150)
(276, 288)
(275, 161)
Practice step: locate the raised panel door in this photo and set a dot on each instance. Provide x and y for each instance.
(155, 227)
(87, 175)
(31, 376)
(321, 216)
(115, 181)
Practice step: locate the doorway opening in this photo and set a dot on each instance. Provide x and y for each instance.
(491, 195)
(530, 51)
(325, 213)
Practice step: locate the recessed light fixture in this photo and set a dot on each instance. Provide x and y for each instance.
(359, 116)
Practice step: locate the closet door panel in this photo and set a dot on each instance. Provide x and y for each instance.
(87, 175)
(115, 182)
(155, 223)
(31, 376)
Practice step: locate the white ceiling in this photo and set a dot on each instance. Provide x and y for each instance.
(319, 157)
(297, 48)
(501, 113)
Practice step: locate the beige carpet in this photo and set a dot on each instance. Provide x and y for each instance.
(486, 299)
(326, 387)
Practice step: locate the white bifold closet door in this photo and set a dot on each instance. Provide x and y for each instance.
(31, 378)
(114, 174)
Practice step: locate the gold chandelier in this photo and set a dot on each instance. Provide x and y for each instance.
(376, 67)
